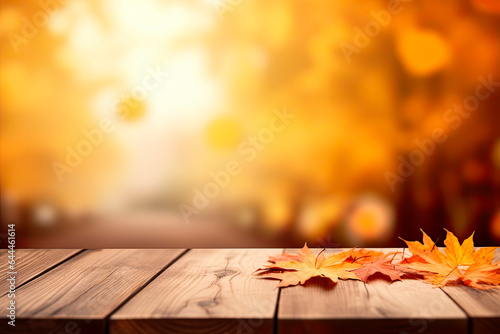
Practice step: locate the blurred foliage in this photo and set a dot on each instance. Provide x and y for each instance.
(323, 175)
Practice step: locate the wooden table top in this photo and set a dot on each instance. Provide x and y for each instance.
(213, 291)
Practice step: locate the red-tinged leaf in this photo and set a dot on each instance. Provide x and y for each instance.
(381, 264)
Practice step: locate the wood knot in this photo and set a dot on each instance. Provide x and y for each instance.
(208, 303)
(224, 272)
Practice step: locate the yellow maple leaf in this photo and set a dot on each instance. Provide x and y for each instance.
(308, 265)
(458, 263)
(459, 255)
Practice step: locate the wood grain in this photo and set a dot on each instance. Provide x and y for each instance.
(31, 262)
(206, 291)
(352, 306)
(213, 291)
(78, 295)
(483, 307)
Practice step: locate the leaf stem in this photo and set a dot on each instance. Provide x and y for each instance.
(316, 261)
(447, 275)
(435, 242)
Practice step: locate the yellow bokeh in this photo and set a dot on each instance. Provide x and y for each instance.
(95, 76)
(131, 109)
(224, 133)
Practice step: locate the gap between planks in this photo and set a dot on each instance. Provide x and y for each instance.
(482, 307)
(83, 291)
(107, 320)
(205, 291)
(33, 263)
(377, 307)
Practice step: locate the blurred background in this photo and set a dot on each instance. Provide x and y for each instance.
(217, 123)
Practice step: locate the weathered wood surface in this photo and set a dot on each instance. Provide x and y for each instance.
(78, 295)
(213, 291)
(483, 307)
(352, 306)
(205, 291)
(32, 262)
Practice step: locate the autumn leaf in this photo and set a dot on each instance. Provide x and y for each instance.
(415, 246)
(283, 257)
(382, 264)
(458, 263)
(482, 276)
(293, 271)
(363, 255)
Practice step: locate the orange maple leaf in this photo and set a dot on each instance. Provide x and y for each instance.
(381, 263)
(458, 263)
(307, 265)
(482, 276)
(363, 255)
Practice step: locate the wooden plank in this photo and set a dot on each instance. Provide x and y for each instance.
(78, 295)
(206, 291)
(483, 307)
(31, 262)
(378, 307)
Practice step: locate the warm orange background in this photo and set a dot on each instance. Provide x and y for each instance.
(67, 66)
